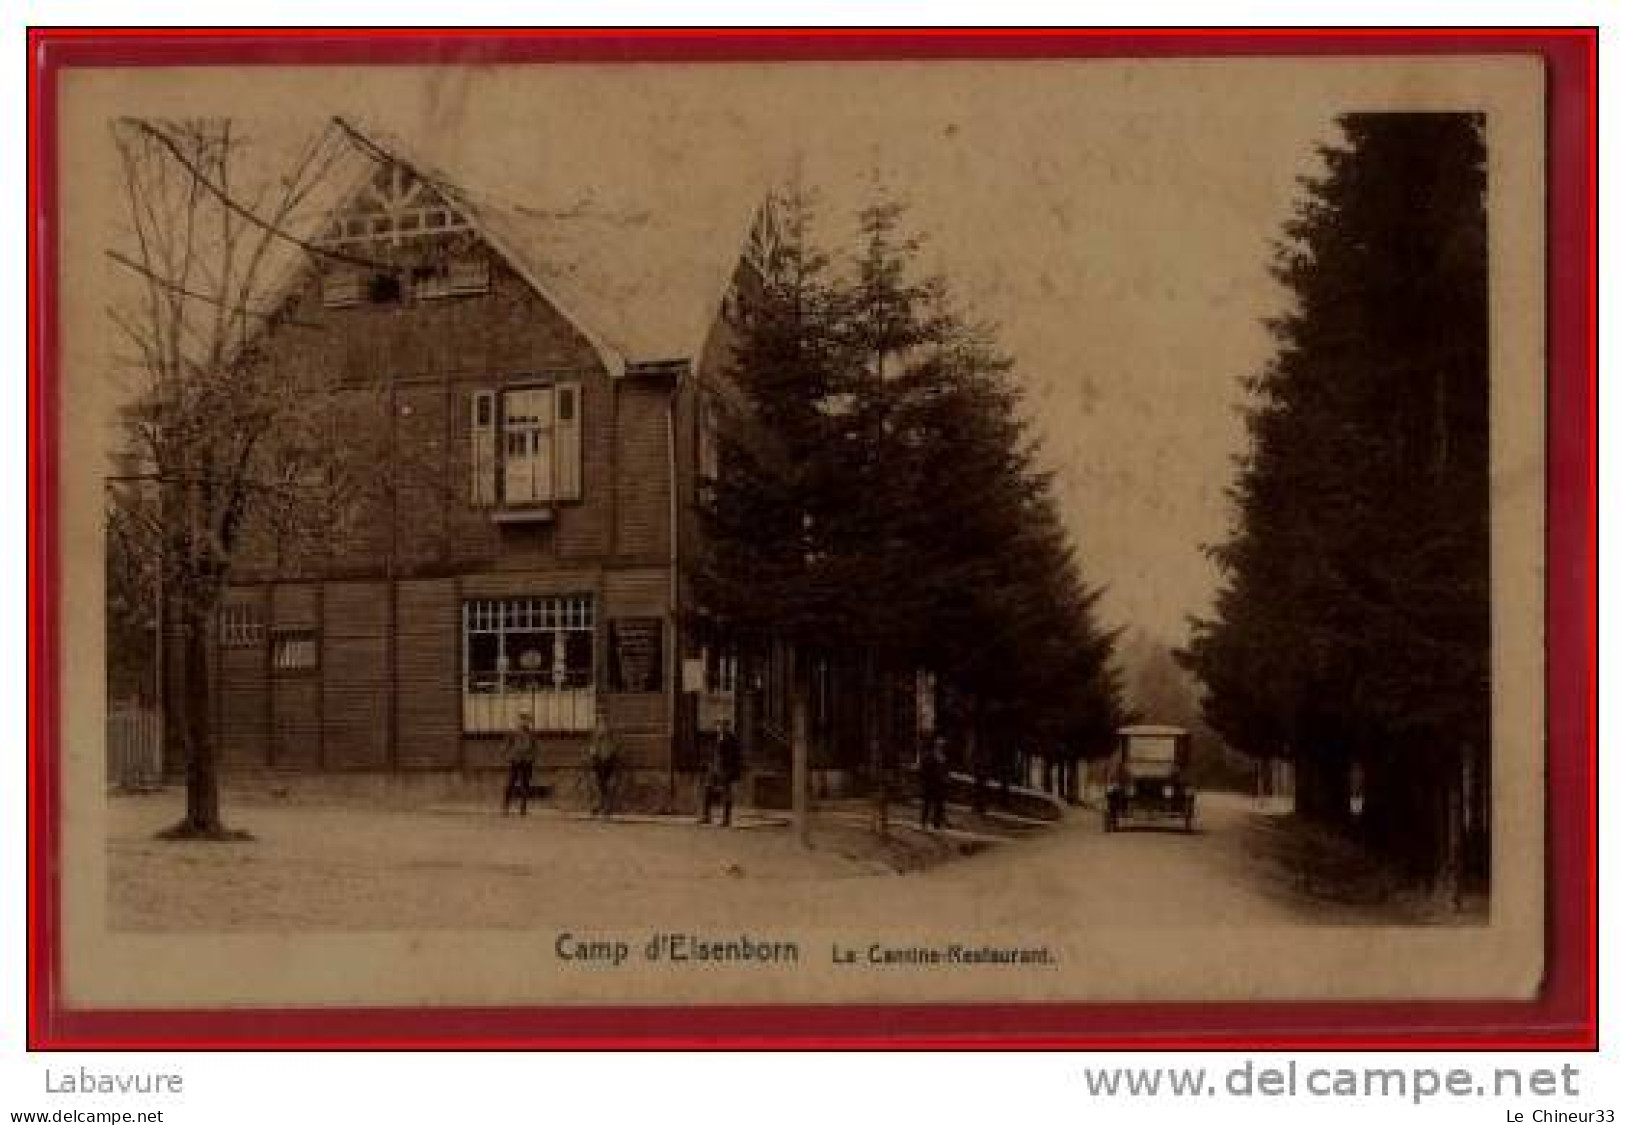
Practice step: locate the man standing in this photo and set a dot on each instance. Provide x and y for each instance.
(727, 763)
(933, 768)
(605, 759)
(522, 747)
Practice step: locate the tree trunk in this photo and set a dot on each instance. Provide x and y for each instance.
(873, 715)
(202, 820)
(978, 758)
(878, 763)
(1322, 790)
(800, 774)
(1453, 833)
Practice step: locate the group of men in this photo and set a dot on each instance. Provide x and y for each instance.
(523, 747)
(722, 772)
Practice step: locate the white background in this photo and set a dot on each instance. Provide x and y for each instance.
(226, 1089)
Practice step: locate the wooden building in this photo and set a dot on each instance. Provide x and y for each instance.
(544, 380)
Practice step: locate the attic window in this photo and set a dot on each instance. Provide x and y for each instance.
(341, 288)
(383, 288)
(395, 205)
(455, 277)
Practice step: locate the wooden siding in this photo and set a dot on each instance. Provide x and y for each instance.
(295, 604)
(241, 704)
(242, 707)
(642, 501)
(426, 486)
(355, 671)
(418, 364)
(514, 584)
(296, 728)
(643, 592)
(639, 722)
(428, 699)
(296, 722)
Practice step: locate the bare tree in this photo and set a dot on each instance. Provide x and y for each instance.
(222, 446)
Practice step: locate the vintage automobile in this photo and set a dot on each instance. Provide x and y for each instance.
(1148, 777)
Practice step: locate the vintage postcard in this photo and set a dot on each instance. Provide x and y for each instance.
(939, 532)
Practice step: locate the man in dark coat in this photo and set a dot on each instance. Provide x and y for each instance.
(727, 764)
(933, 767)
(604, 758)
(522, 747)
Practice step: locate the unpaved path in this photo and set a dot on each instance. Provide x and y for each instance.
(367, 868)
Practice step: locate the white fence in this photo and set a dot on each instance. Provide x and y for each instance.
(135, 758)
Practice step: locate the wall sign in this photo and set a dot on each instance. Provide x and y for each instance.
(637, 649)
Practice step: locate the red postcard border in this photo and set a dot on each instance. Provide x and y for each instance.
(1564, 1016)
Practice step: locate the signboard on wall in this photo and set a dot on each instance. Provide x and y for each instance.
(693, 674)
(637, 651)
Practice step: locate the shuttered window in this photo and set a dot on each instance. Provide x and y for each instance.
(567, 444)
(242, 625)
(483, 446)
(294, 649)
(525, 446)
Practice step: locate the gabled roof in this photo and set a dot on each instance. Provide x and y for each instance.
(644, 284)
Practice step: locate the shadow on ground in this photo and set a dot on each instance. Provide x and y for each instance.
(1332, 879)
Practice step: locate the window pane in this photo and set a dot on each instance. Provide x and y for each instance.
(530, 660)
(294, 650)
(484, 651)
(578, 659)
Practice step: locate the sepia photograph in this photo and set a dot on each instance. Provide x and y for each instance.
(1024, 531)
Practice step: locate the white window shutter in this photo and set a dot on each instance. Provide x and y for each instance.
(482, 461)
(567, 443)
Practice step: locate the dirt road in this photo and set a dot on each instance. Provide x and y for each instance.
(338, 867)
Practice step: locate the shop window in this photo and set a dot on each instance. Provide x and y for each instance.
(530, 656)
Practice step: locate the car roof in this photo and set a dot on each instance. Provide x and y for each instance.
(1151, 728)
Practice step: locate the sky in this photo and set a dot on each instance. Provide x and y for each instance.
(1114, 220)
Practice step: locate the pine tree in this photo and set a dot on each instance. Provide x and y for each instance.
(1353, 626)
(880, 507)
